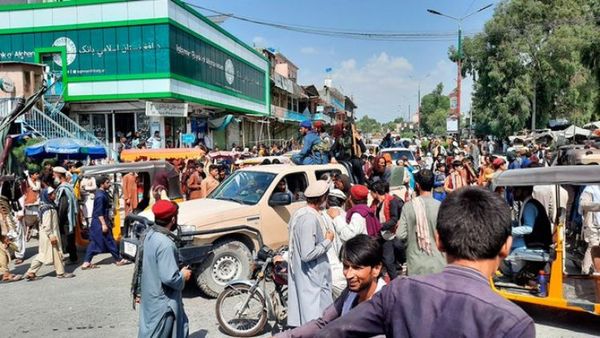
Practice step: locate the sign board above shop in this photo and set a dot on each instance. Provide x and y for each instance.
(188, 138)
(166, 109)
(451, 125)
(137, 50)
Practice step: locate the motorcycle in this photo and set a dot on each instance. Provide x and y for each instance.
(244, 306)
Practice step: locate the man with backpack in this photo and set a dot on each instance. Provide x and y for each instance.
(388, 209)
(348, 147)
(312, 152)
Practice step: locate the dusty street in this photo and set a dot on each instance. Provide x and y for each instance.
(97, 303)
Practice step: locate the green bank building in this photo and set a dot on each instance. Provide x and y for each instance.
(147, 65)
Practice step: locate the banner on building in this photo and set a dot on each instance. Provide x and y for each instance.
(453, 104)
(166, 109)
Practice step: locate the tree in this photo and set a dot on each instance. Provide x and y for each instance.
(533, 46)
(434, 111)
(368, 125)
(391, 126)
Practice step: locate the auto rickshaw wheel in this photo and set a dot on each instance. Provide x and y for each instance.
(229, 261)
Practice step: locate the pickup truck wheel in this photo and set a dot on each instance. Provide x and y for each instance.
(229, 261)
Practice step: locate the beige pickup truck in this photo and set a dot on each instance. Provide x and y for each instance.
(219, 234)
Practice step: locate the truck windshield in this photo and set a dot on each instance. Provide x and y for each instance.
(246, 187)
(397, 154)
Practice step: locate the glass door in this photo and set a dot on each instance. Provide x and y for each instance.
(53, 73)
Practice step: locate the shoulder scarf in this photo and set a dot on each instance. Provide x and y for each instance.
(423, 239)
(70, 194)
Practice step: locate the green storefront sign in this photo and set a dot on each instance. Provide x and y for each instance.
(142, 51)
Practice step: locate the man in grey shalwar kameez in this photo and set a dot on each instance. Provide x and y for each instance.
(161, 304)
(309, 275)
(417, 226)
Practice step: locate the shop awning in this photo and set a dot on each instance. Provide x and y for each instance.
(294, 116)
(321, 117)
(220, 123)
(132, 155)
(592, 125)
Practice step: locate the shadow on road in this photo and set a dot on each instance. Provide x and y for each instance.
(580, 322)
(199, 334)
(192, 291)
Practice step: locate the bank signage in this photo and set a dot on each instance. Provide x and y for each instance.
(143, 50)
(166, 109)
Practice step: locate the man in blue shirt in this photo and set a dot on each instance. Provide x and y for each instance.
(308, 155)
(474, 230)
(513, 162)
(533, 230)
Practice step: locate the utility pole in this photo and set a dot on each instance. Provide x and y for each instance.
(533, 104)
(418, 124)
(459, 75)
(459, 51)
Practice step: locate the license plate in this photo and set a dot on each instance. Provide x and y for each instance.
(129, 249)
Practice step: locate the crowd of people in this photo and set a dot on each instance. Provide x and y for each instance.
(449, 265)
(407, 226)
(49, 209)
(422, 218)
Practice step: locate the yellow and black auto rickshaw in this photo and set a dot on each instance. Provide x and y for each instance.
(567, 287)
(147, 171)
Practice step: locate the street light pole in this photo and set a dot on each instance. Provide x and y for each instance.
(459, 75)
(418, 124)
(459, 52)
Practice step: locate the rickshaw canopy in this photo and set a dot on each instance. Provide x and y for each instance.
(150, 167)
(568, 174)
(131, 155)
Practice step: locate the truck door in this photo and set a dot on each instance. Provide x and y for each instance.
(274, 220)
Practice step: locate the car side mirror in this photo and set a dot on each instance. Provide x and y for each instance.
(280, 199)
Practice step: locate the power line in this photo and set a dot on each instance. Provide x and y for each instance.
(349, 34)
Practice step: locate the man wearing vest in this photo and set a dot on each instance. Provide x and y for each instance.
(388, 209)
(309, 154)
(361, 257)
(533, 230)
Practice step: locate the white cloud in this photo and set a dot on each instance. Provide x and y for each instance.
(309, 50)
(259, 42)
(384, 85)
(377, 85)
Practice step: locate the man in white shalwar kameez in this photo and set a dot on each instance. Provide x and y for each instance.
(309, 275)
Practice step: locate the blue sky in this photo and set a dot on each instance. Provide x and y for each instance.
(382, 76)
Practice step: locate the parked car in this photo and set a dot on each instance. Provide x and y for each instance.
(220, 233)
(397, 154)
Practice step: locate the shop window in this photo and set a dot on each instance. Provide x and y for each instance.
(110, 55)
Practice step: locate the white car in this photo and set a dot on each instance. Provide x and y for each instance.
(398, 153)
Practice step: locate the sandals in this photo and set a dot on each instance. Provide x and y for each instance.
(65, 275)
(122, 262)
(12, 278)
(31, 277)
(89, 267)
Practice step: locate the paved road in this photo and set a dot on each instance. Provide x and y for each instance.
(96, 303)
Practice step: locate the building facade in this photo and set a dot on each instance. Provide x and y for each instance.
(145, 65)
